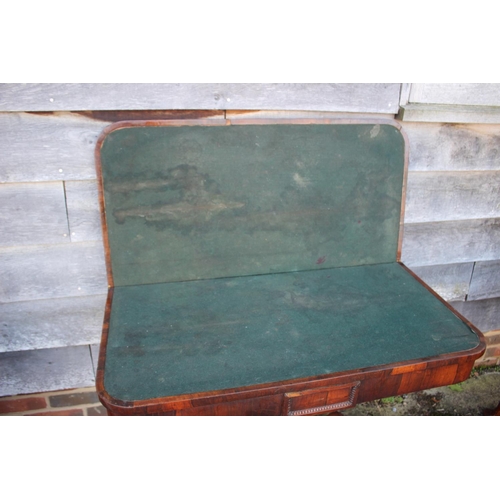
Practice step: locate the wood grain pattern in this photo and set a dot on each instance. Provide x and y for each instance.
(45, 370)
(482, 94)
(47, 147)
(42, 324)
(268, 399)
(352, 97)
(33, 214)
(453, 147)
(52, 271)
(485, 282)
(434, 243)
(485, 314)
(450, 281)
(442, 196)
(83, 211)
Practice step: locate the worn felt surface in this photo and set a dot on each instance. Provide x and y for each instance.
(178, 338)
(186, 203)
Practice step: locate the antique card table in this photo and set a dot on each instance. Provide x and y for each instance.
(254, 269)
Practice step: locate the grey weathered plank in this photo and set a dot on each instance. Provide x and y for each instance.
(441, 196)
(43, 324)
(52, 271)
(404, 94)
(352, 97)
(450, 281)
(277, 114)
(33, 214)
(47, 148)
(485, 314)
(485, 282)
(453, 147)
(94, 353)
(43, 370)
(434, 243)
(449, 113)
(480, 94)
(83, 211)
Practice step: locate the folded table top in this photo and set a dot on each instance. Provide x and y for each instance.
(255, 253)
(197, 202)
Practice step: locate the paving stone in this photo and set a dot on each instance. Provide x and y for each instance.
(75, 399)
(44, 370)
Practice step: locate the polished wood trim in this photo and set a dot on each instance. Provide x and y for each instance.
(403, 196)
(102, 209)
(376, 375)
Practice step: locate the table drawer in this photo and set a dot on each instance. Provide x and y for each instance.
(321, 400)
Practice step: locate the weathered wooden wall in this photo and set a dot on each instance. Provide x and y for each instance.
(52, 276)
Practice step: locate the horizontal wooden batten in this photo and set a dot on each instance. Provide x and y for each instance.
(435, 243)
(280, 114)
(52, 271)
(443, 196)
(438, 146)
(42, 324)
(352, 97)
(33, 214)
(449, 113)
(450, 281)
(45, 370)
(485, 282)
(83, 211)
(47, 147)
(479, 94)
(484, 314)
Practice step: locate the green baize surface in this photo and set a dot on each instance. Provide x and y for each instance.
(248, 254)
(177, 338)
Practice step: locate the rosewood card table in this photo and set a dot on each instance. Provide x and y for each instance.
(254, 269)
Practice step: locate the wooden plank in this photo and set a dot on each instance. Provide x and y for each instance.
(449, 113)
(33, 214)
(441, 196)
(44, 272)
(43, 370)
(485, 282)
(405, 94)
(47, 148)
(484, 314)
(433, 243)
(479, 94)
(453, 147)
(83, 211)
(451, 281)
(94, 354)
(43, 324)
(235, 115)
(352, 97)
